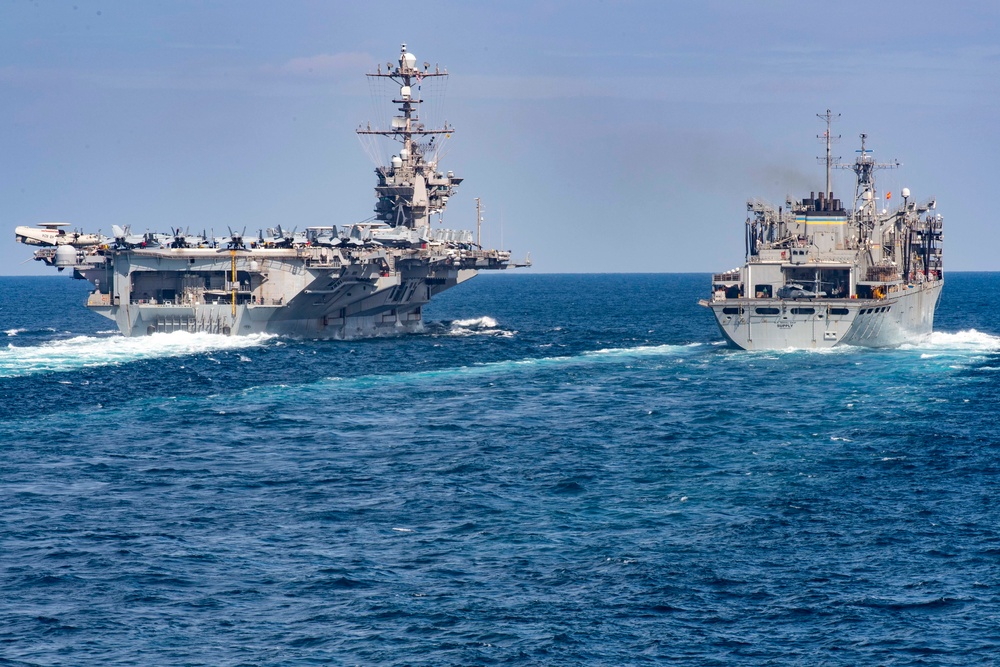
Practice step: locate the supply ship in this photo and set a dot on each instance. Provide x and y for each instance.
(818, 274)
(341, 281)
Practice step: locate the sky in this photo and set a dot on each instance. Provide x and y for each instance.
(610, 136)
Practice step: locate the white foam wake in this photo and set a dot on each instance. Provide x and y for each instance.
(485, 322)
(639, 351)
(969, 340)
(92, 351)
(478, 326)
(589, 358)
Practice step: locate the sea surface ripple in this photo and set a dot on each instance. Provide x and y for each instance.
(561, 469)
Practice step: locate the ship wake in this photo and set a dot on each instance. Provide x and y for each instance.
(82, 352)
(500, 368)
(473, 326)
(969, 340)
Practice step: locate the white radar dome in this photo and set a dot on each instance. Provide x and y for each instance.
(65, 255)
(407, 61)
(404, 92)
(906, 193)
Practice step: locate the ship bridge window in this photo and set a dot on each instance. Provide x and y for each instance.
(767, 311)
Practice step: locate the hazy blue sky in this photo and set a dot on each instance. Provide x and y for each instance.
(605, 136)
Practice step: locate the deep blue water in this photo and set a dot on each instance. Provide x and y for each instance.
(564, 469)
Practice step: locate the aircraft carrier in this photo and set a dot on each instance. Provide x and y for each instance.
(340, 281)
(818, 274)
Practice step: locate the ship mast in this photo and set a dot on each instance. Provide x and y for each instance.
(864, 167)
(409, 190)
(405, 127)
(829, 118)
(479, 223)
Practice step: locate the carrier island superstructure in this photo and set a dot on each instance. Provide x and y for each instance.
(341, 281)
(818, 274)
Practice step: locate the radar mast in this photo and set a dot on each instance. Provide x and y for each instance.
(829, 118)
(409, 188)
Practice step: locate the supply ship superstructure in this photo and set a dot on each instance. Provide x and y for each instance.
(818, 274)
(339, 281)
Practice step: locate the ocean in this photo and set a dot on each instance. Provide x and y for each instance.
(561, 470)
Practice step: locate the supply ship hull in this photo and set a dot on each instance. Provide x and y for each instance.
(904, 316)
(356, 280)
(818, 275)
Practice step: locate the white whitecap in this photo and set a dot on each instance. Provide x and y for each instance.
(484, 322)
(478, 326)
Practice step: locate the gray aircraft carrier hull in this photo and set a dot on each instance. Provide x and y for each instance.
(319, 293)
